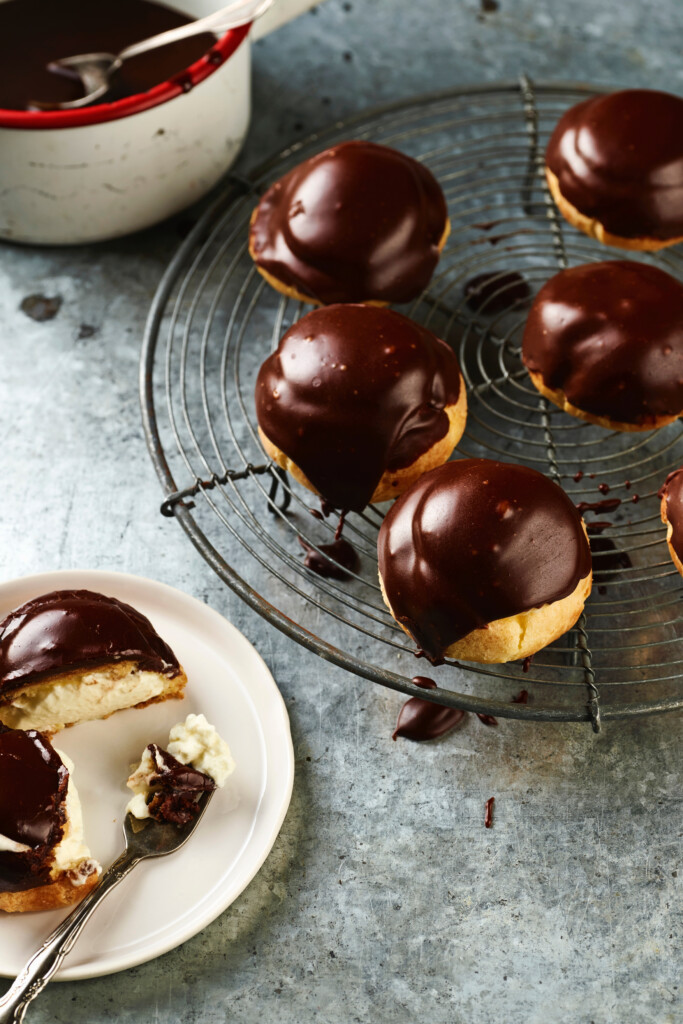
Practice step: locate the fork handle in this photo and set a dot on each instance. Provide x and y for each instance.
(33, 978)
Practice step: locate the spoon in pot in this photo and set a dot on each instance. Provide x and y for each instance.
(96, 69)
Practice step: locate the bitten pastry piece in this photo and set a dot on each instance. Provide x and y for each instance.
(604, 341)
(168, 783)
(357, 402)
(614, 165)
(356, 223)
(44, 862)
(484, 561)
(74, 655)
(671, 511)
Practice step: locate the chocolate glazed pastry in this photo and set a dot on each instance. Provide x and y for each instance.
(485, 561)
(604, 341)
(671, 511)
(33, 783)
(356, 402)
(615, 168)
(175, 788)
(356, 223)
(74, 655)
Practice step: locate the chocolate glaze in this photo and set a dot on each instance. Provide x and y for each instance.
(352, 391)
(578, 476)
(355, 222)
(35, 32)
(496, 292)
(487, 719)
(72, 629)
(422, 719)
(334, 561)
(175, 788)
(672, 491)
(488, 812)
(610, 336)
(603, 488)
(523, 696)
(33, 784)
(619, 159)
(474, 541)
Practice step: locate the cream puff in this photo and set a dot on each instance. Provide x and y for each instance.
(73, 655)
(604, 342)
(44, 862)
(484, 561)
(357, 402)
(614, 166)
(671, 511)
(358, 222)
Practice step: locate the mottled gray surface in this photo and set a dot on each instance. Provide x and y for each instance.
(384, 899)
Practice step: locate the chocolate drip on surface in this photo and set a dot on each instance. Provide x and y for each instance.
(488, 812)
(578, 476)
(72, 629)
(487, 719)
(422, 719)
(606, 558)
(33, 784)
(352, 391)
(606, 505)
(672, 491)
(358, 221)
(619, 158)
(323, 560)
(475, 541)
(35, 32)
(496, 291)
(523, 696)
(175, 788)
(610, 337)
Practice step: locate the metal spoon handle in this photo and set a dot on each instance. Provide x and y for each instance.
(235, 14)
(33, 978)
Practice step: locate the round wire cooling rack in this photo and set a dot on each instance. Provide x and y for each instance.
(214, 320)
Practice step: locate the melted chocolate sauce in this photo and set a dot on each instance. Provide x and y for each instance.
(522, 697)
(603, 488)
(496, 292)
(474, 541)
(606, 558)
(627, 484)
(526, 664)
(175, 788)
(578, 476)
(422, 719)
(488, 813)
(334, 561)
(356, 222)
(33, 783)
(610, 337)
(487, 719)
(33, 33)
(606, 505)
(353, 391)
(619, 158)
(72, 629)
(635, 498)
(672, 491)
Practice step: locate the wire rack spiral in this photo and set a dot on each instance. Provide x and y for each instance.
(214, 320)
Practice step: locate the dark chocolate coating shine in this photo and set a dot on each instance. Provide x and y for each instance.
(474, 541)
(356, 222)
(610, 336)
(673, 492)
(619, 158)
(73, 629)
(175, 788)
(33, 783)
(352, 391)
(33, 33)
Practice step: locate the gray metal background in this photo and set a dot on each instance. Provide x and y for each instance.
(384, 899)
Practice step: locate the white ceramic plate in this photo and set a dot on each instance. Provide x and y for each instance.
(164, 902)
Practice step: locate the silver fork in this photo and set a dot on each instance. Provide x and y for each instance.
(152, 840)
(95, 69)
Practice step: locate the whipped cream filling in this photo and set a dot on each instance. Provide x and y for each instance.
(71, 854)
(82, 698)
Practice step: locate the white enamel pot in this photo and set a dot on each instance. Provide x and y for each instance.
(86, 175)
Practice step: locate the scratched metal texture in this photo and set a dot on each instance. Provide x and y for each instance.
(384, 898)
